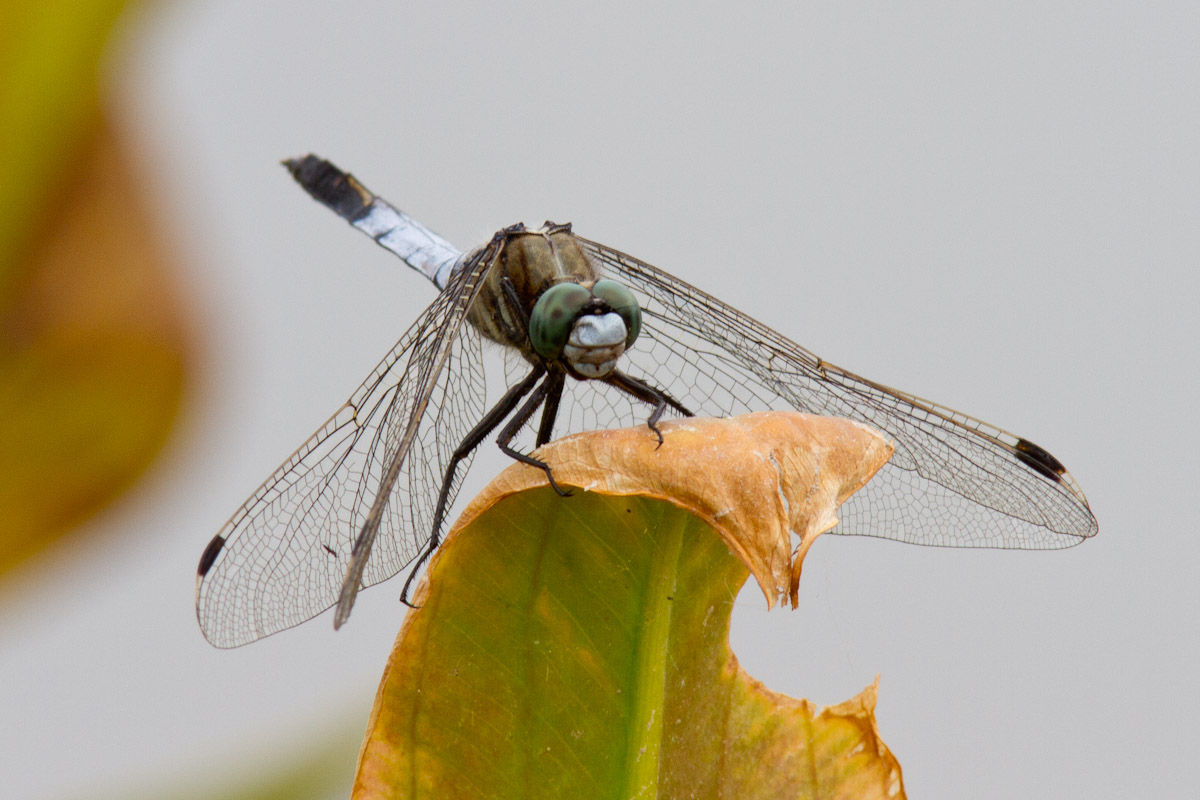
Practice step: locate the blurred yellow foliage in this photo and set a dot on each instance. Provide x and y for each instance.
(92, 334)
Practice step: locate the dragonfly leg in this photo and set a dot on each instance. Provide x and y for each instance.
(647, 394)
(477, 434)
(515, 324)
(540, 395)
(514, 299)
(554, 390)
(554, 383)
(416, 567)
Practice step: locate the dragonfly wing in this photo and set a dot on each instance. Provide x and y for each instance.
(282, 557)
(953, 480)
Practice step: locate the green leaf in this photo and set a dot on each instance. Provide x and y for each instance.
(578, 647)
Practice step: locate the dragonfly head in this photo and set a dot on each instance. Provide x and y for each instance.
(587, 328)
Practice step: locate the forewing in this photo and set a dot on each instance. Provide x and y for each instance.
(953, 480)
(280, 560)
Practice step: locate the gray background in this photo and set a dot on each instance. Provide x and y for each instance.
(992, 205)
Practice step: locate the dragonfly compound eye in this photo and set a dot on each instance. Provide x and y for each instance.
(552, 316)
(622, 301)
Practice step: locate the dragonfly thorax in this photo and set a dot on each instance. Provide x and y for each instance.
(543, 296)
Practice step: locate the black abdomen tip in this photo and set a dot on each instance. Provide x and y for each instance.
(329, 185)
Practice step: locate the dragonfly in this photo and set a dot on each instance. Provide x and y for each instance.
(595, 338)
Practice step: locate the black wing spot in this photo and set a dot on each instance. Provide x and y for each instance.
(1036, 457)
(330, 550)
(210, 555)
(329, 185)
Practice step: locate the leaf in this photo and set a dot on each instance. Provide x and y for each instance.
(93, 342)
(50, 56)
(578, 647)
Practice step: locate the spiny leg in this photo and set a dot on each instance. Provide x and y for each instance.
(647, 394)
(477, 434)
(518, 421)
(554, 390)
(556, 378)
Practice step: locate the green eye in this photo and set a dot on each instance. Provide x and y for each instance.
(622, 301)
(553, 313)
